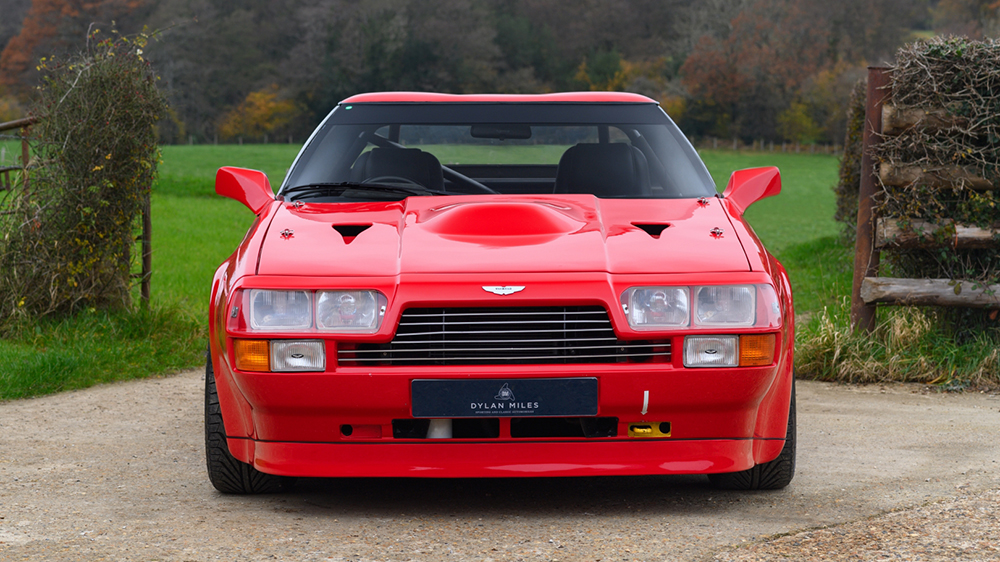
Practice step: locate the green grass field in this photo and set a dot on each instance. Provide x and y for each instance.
(194, 230)
(797, 226)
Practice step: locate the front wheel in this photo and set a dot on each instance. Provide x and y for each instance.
(771, 475)
(227, 474)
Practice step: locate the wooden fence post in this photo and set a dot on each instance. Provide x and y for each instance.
(866, 257)
(147, 251)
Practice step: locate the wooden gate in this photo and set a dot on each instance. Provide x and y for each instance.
(877, 234)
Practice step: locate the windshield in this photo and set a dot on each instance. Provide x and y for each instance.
(379, 151)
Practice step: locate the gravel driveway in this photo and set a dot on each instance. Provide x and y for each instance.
(117, 473)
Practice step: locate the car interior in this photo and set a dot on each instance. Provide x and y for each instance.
(605, 170)
(608, 161)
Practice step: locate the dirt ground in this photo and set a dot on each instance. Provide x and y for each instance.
(117, 472)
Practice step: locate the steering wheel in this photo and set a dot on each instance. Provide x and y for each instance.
(464, 179)
(393, 179)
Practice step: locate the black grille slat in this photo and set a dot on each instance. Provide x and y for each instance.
(535, 340)
(510, 322)
(497, 332)
(555, 335)
(481, 360)
(500, 312)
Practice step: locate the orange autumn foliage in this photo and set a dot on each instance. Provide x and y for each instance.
(261, 113)
(40, 32)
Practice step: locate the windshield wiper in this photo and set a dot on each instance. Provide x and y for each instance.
(339, 188)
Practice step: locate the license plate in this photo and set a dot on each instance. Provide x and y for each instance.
(508, 398)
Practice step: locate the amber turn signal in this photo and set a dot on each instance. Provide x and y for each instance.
(252, 355)
(756, 350)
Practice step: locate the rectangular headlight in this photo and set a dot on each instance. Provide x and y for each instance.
(280, 310)
(711, 351)
(350, 311)
(297, 356)
(650, 308)
(725, 305)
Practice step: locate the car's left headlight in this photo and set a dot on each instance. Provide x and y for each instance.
(705, 306)
(725, 305)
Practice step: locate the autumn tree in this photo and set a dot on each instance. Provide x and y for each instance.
(54, 27)
(973, 18)
(725, 66)
(753, 73)
(13, 17)
(262, 112)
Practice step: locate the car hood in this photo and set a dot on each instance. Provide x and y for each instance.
(503, 233)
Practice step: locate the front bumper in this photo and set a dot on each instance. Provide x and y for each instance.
(720, 419)
(296, 422)
(439, 459)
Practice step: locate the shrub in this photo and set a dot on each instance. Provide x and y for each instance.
(908, 345)
(795, 124)
(10, 109)
(68, 234)
(849, 182)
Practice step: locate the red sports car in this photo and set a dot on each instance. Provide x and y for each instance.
(495, 286)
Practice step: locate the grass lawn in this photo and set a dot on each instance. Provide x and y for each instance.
(797, 226)
(194, 231)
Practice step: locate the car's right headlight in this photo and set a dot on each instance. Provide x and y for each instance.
(337, 311)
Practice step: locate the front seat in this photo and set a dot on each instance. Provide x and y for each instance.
(410, 163)
(605, 170)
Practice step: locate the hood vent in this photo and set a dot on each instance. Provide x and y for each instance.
(350, 231)
(653, 230)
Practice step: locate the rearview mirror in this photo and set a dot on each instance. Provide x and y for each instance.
(249, 187)
(502, 131)
(746, 187)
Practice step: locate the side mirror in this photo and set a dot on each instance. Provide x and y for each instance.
(746, 187)
(249, 187)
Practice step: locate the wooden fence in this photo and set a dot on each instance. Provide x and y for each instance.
(7, 182)
(875, 234)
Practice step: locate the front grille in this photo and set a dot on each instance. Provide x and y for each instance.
(480, 336)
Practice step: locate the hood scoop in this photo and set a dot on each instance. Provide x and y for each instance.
(500, 219)
(653, 230)
(351, 231)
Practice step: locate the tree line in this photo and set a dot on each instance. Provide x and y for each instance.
(777, 70)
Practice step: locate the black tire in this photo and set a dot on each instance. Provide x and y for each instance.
(771, 475)
(227, 474)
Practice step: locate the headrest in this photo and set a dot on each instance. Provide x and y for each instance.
(605, 170)
(410, 163)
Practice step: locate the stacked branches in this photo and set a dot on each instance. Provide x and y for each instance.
(68, 235)
(949, 154)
